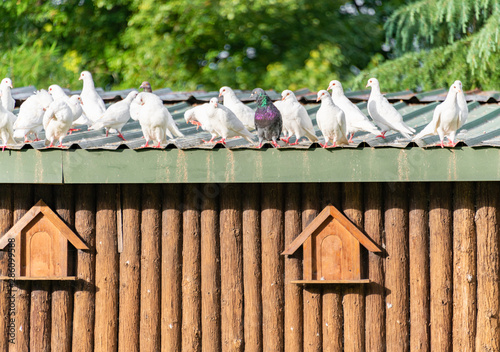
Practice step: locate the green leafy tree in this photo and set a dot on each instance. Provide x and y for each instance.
(45, 42)
(191, 44)
(437, 42)
(244, 44)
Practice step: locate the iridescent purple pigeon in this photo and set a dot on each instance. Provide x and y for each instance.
(268, 120)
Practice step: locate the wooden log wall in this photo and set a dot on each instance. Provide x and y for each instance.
(199, 268)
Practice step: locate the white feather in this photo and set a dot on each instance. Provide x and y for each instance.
(446, 118)
(243, 112)
(355, 119)
(384, 114)
(296, 120)
(331, 120)
(92, 104)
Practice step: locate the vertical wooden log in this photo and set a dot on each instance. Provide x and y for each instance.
(333, 315)
(191, 272)
(375, 291)
(354, 300)
(272, 237)
(396, 269)
(150, 268)
(40, 323)
(171, 277)
(488, 306)
(106, 267)
(311, 295)
(6, 291)
(294, 330)
(252, 270)
(62, 295)
(130, 270)
(231, 257)
(84, 299)
(23, 201)
(419, 268)
(441, 262)
(464, 268)
(210, 269)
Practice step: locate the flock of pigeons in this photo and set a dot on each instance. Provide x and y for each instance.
(337, 118)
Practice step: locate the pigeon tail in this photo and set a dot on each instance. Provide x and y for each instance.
(311, 136)
(175, 130)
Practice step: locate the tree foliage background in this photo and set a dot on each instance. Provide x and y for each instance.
(278, 44)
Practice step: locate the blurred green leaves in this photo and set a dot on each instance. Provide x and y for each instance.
(193, 44)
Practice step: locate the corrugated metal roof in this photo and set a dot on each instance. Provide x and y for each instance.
(481, 129)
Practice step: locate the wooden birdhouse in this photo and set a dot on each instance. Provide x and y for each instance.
(42, 251)
(331, 249)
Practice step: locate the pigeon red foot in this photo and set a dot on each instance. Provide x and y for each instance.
(276, 145)
(222, 141)
(350, 138)
(198, 124)
(286, 140)
(326, 145)
(121, 136)
(210, 141)
(71, 130)
(382, 134)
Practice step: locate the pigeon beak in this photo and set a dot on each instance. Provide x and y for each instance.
(220, 94)
(460, 91)
(11, 86)
(80, 78)
(317, 99)
(329, 87)
(282, 99)
(367, 85)
(215, 104)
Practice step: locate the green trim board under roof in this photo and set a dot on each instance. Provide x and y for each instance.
(365, 164)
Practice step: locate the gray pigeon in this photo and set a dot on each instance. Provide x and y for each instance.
(146, 86)
(268, 121)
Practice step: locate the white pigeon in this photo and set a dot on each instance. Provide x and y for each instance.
(225, 122)
(355, 119)
(462, 104)
(74, 103)
(8, 102)
(198, 116)
(296, 120)
(30, 117)
(92, 104)
(446, 119)
(331, 120)
(243, 112)
(384, 114)
(7, 119)
(155, 119)
(56, 121)
(116, 116)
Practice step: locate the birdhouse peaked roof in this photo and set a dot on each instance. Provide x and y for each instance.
(38, 208)
(327, 215)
